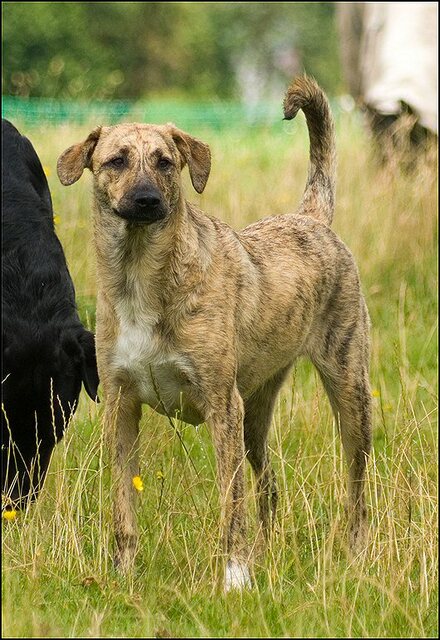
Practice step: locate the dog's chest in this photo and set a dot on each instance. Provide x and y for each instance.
(156, 369)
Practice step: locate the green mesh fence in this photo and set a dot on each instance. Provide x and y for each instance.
(216, 115)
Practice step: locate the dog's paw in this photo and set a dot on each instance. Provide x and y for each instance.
(358, 538)
(237, 576)
(123, 560)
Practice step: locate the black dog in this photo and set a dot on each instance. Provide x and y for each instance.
(47, 353)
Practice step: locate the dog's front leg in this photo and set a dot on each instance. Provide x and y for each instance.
(228, 436)
(121, 423)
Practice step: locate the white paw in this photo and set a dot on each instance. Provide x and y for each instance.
(237, 576)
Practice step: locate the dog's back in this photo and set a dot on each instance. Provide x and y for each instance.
(47, 353)
(22, 173)
(28, 237)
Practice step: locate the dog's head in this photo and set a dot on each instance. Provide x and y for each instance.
(41, 382)
(137, 167)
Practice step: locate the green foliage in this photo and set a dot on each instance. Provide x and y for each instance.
(143, 49)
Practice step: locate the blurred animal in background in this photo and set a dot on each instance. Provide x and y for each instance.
(47, 353)
(389, 57)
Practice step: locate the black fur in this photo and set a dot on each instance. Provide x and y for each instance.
(47, 353)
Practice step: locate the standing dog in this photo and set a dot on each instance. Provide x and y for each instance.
(196, 318)
(47, 353)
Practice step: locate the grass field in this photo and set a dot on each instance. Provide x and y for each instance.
(57, 574)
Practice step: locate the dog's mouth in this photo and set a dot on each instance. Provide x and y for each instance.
(145, 216)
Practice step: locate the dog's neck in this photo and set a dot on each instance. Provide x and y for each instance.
(151, 264)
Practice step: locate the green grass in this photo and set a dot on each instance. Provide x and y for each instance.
(58, 578)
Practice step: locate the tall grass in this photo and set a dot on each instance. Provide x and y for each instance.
(58, 578)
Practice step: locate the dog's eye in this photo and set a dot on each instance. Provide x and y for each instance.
(117, 162)
(164, 163)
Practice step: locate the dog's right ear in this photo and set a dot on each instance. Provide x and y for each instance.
(74, 160)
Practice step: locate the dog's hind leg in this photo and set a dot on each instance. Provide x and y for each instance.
(345, 376)
(258, 412)
(121, 424)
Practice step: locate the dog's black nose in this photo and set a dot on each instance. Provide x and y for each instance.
(144, 203)
(147, 200)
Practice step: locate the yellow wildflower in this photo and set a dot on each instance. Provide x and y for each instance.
(47, 171)
(138, 484)
(375, 393)
(159, 475)
(56, 219)
(9, 514)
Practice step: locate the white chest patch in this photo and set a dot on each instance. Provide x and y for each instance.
(160, 374)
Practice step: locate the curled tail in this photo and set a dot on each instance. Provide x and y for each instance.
(319, 196)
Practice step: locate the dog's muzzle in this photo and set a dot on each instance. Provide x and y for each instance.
(143, 205)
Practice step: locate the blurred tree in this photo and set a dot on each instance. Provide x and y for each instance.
(86, 49)
(138, 49)
(269, 42)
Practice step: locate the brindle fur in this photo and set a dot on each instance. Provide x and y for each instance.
(225, 314)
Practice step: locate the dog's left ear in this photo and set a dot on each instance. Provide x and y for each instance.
(195, 154)
(79, 344)
(89, 367)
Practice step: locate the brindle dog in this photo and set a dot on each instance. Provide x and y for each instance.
(196, 318)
